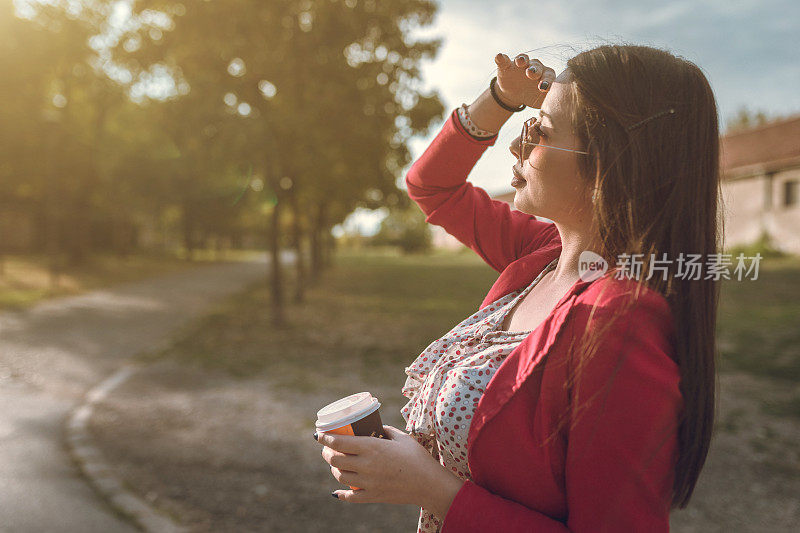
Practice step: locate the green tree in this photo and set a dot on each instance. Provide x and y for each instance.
(405, 228)
(53, 101)
(745, 119)
(209, 120)
(331, 88)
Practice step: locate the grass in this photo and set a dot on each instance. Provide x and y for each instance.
(376, 310)
(759, 322)
(25, 279)
(371, 314)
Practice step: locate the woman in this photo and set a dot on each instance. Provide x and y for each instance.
(567, 402)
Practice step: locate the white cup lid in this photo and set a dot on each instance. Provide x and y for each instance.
(346, 410)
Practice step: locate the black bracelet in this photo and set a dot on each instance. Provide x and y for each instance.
(499, 102)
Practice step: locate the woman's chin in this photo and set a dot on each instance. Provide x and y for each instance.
(521, 202)
(527, 203)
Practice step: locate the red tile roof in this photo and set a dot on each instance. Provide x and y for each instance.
(770, 146)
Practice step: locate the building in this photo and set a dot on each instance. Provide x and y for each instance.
(760, 176)
(760, 187)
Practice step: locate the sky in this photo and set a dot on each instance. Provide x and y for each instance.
(748, 50)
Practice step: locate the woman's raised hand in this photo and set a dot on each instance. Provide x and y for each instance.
(523, 80)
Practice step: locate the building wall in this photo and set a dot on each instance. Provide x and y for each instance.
(783, 221)
(757, 204)
(743, 203)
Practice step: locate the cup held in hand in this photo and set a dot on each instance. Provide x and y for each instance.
(356, 415)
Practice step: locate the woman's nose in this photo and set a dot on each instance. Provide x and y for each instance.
(515, 146)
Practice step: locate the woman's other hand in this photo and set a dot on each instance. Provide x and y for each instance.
(523, 80)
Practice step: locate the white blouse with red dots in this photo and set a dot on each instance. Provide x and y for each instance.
(446, 381)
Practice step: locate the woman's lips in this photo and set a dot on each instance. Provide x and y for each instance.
(517, 180)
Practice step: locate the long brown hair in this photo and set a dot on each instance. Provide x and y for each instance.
(657, 187)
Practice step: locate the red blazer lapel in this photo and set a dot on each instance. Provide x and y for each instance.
(532, 351)
(517, 366)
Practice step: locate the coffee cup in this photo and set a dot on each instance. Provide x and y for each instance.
(357, 414)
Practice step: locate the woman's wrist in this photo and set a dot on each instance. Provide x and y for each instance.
(487, 114)
(502, 100)
(440, 491)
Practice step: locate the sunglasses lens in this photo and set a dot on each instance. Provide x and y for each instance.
(525, 140)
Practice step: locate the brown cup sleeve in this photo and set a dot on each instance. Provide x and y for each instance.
(370, 426)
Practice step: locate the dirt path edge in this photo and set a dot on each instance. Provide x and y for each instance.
(99, 472)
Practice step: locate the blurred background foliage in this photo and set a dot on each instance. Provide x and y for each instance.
(133, 125)
(405, 229)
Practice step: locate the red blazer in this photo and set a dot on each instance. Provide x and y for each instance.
(613, 469)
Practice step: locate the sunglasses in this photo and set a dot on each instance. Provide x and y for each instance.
(530, 137)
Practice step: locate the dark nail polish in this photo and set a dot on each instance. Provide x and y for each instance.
(544, 85)
(335, 495)
(315, 436)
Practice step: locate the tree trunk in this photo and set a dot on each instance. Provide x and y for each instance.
(318, 244)
(324, 234)
(315, 250)
(79, 232)
(120, 234)
(131, 237)
(188, 228)
(299, 288)
(326, 248)
(53, 247)
(52, 211)
(330, 249)
(217, 247)
(276, 271)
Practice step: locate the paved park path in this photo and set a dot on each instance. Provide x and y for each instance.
(52, 354)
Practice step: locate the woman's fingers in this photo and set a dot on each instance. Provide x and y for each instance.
(516, 79)
(356, 496)
(346, 478)
(339, 460)
(534, 71)
(548, 77)
(344, 443)
(502, 60)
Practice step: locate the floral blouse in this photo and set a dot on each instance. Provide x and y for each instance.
(446, 381)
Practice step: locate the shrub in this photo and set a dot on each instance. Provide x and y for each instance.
(763, 245)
